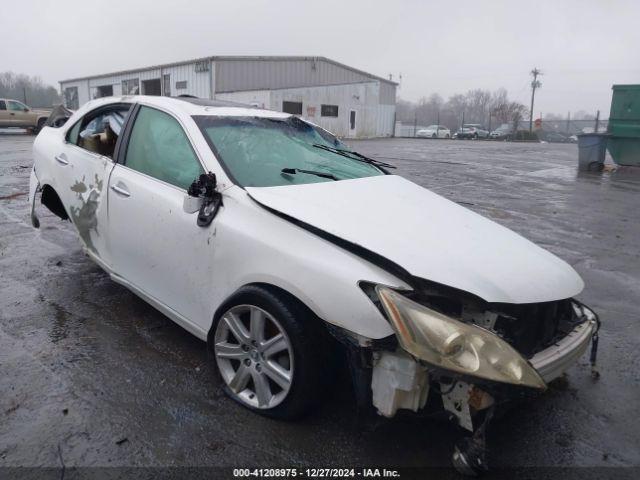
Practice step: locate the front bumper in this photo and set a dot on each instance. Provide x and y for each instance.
(555, 360)
(401, 382)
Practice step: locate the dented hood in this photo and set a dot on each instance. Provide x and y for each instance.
(429, 236)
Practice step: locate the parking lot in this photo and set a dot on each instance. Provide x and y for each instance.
(90, 375)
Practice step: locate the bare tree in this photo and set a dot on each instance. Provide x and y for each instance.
(405, 110)
(517, 112)
(30, 90)
(477, 106)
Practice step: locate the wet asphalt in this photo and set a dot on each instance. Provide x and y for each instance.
(90, 375)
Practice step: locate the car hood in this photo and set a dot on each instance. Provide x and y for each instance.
(429, 236)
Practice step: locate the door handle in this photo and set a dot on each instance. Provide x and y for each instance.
(120, 191)
(12, 114)
(62, 159)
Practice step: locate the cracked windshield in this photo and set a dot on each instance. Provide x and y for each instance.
(268, 152)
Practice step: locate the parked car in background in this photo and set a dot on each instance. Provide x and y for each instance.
(472, 131)
(15, 114)
(503, 132)
(525, 136)
(434, 131)
(573, 139)
(554, 137)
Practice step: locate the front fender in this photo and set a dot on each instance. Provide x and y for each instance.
(255, 246)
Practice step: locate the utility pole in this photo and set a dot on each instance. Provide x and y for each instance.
(597, 121)
(535, 83)
(568, 121)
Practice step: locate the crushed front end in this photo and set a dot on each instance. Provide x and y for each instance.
(456, 353)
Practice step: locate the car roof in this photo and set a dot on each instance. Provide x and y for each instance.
(191, 106)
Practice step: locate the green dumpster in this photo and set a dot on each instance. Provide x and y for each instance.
(624, 125)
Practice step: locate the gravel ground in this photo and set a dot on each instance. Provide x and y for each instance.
(91, 376)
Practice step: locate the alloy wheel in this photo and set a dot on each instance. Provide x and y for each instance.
(254, 356)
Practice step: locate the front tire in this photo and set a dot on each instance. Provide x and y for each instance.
(268, 352)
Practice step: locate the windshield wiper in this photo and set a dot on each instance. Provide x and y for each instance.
(293, 171)
(354, 156)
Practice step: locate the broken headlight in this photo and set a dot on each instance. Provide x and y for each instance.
(452, 345)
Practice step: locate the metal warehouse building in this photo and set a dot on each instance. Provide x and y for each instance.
(342, 99)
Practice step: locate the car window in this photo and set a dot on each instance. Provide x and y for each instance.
(98, 132)
(256, 150)
(3, 105)
(159, 147)
(16, 106)
(72, 136)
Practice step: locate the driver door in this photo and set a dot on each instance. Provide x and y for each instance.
(156, 247)
(20, 114)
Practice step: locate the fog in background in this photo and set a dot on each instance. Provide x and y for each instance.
(583, 47)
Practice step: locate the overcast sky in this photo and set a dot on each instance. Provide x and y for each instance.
(583, 47)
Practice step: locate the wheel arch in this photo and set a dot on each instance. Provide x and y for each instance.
(274, 289)
(51, 200)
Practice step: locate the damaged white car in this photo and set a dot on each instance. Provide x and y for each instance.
(290, 255)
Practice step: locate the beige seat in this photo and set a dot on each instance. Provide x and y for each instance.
(108, 141)
(91, 143)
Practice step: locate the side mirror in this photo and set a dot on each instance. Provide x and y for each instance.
(203, 190)
(25, 109)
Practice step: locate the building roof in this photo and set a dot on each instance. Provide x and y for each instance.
(234, 57)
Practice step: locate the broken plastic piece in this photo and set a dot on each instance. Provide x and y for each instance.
(398, 381)
(470, 454)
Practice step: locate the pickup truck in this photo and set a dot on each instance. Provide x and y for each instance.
(16, 114)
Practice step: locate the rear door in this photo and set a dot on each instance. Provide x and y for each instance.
(156, 246)
(84, 162)
(20, 114)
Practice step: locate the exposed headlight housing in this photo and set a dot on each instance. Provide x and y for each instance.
(452, 345)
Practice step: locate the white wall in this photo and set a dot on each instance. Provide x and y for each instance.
(198, 83)
(372, 119)
(257, 98)
(83, 91)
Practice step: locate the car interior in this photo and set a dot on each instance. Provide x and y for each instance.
(99, 133)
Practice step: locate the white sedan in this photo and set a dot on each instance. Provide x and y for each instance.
(290, 255)
(434, 131)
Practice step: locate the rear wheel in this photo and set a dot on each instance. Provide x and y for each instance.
(267, 353)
